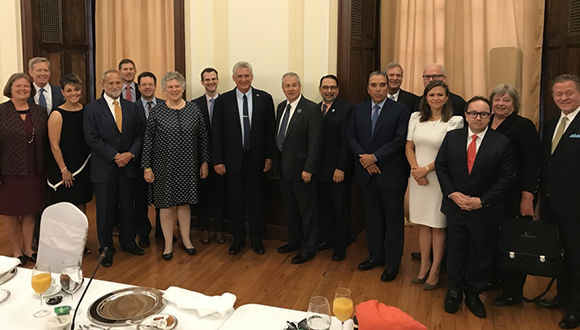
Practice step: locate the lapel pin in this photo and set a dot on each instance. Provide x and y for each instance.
(299, 110)
(333, 110)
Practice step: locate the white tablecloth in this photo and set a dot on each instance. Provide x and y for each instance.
(16, 312)
(254, 316)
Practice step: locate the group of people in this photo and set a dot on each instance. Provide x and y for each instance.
(470, 166)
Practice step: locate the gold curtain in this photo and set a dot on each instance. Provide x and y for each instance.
(141, 30)
(480, 42)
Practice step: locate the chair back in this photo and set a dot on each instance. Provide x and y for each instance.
(63, 234)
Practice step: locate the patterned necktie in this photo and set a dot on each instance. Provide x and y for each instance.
(42, 99)
(374, 117)
(211, 104)
(128, 94)
(282, 131)
(246, 117)
(324, 109)
(118, 115)
(559, 132)
(471, 153)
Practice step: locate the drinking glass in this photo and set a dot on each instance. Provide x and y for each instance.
(71, 278)
(318, 315)
(40, 282)
(342, 306)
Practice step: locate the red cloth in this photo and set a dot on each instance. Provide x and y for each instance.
(373, 315)
(471, 152)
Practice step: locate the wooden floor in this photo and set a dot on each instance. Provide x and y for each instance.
(271, 279)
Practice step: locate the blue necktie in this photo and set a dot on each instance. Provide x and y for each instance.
(246, 116)
(41, 99)
(374, 117)
(282, 131)
(211, 104)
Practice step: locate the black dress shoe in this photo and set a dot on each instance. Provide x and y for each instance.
(301, 258)
(107, 260)
(144, 241)
(235, 249)
(23, 260)
(133, 249)
(286, 249)
(475, 305)
(190, 251)
(167, 256)
(569, 321)
(258, 248)
(553, 303)
(506, 300)
(322, 246)
(338, 255)
(370, 263)
(453, 300)
(31, 257)
(416, 255)
(389, 274)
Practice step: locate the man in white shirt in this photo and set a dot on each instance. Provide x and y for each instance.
(395, 80)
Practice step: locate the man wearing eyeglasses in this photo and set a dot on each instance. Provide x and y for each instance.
(475, 166)
(436, 71)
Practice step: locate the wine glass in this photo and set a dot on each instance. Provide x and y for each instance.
(342, 306)
(318, 315)
(40, 282)
(71, 278)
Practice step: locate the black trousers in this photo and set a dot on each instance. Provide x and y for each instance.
(334, 211)
(142, 223)
(246, 195)
(115, 197)
(212, 202)
(469, 252)
(301, 212)
(384, 215)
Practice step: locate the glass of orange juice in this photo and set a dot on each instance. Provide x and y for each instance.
(342, 306)
(40, 282)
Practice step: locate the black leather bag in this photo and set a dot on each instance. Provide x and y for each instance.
(530, 247)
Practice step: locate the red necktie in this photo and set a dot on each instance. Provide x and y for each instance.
(471, 152)
(128, 94)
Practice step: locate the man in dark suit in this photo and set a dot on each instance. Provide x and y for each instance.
(298, 138)
(113, 131)
(147, 83)
(394, 73)
(559, 184)
(213, 187)
(376, 133)
(242, 148)
(47, 96)
(436, 71)
(475, 167)
(130, 90)
(334, 171)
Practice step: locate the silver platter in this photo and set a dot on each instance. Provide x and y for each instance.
(8, 275)
(130, 304)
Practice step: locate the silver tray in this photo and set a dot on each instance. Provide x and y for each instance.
(8, 275)
(130, 304)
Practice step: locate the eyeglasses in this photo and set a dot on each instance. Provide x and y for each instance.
(474, 114)
(433, 76)
(329, 87)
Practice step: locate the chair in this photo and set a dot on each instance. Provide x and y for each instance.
(63, 234)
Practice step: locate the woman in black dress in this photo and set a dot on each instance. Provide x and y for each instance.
(68, 175)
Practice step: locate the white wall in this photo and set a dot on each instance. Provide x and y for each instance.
(275, 36)
(11, 41)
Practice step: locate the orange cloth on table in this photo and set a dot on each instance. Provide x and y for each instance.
(373, 315)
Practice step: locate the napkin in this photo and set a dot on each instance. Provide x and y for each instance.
(7, 264)
(372, 314)
(204, 305)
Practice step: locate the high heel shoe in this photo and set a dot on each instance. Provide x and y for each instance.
(421, 280)
(429, 287)
(190, 251)
(167, 256)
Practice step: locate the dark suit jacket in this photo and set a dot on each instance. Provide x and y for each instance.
(560, 178)
(56, 95)
(143, 118)
(226, 132)
(387, 144)
(106, 141)
(335, 153)
(491, 175)
(301, 147)
(202, 104)
(409, 99)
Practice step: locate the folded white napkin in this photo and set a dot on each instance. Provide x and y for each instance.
(8, 263)
(204, 305)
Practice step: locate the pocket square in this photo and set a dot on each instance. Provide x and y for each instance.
(575, 136)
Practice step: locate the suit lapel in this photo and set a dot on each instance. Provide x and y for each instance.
(236, 111)
(296, 115)
(481, 152)
(462, 151)
(385, 113)
(573, 127)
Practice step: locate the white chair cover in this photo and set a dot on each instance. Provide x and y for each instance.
(63, 234)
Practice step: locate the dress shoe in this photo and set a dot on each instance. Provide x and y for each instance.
(389, 274)
(23, 260)
(416, 255)
(322, 246)
(569, 321)
(421, 280)
(107, 260)
(370, 263)
(286, 249)
(258, 248)
(475, 305)
(133, 249)
(430, 287)
(338, 255)
(219, 237)
(167, 256)
(144, 241)
(301, 258)
(205, 239)
(235, 248)
(453, 300)
(191, 251)
(31, 257)
(553, 303)
(506, 300)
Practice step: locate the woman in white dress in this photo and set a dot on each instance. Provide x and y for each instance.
(427, 128)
